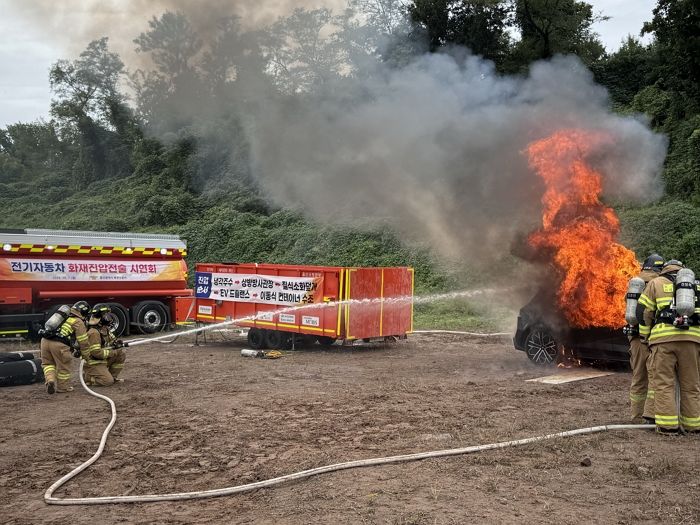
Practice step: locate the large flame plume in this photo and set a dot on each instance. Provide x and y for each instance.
(580, 232)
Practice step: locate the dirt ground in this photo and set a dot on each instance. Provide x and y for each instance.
(203, 417)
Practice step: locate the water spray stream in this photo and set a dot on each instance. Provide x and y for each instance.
(403, 299)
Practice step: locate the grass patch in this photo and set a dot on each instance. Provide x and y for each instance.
(459, 314)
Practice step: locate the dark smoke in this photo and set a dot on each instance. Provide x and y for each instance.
(436, 147)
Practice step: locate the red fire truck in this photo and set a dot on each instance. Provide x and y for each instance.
(137, 275)
(326, 303)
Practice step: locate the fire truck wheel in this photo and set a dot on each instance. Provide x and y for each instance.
(541, 347)
(257, 339)
(149, 316)
(119, 318)
(278, 340)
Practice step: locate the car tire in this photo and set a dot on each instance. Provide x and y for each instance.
(541, 347)
(150, 317)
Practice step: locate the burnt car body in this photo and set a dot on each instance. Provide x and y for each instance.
(543, 334)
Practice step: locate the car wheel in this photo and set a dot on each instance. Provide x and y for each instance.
(541, 347)
(257, 339)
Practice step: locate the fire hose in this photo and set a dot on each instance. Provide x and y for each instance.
(227, 491)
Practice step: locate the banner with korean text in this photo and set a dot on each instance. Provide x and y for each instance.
(16, 269)
(256, 288)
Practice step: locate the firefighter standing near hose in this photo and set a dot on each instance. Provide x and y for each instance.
(104, 358)
(641, 392)
(57, 344)
(672, 326)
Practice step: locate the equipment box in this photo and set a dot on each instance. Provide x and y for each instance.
(327, 302)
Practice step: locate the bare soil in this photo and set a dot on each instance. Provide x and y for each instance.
(203, 417)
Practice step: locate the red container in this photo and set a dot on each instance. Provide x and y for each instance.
(325, 301)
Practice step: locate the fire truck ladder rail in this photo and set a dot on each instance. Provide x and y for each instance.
(227, 491)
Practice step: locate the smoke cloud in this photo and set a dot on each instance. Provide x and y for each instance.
(433, 148)
(436, 149)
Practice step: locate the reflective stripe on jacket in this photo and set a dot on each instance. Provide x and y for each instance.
(95, 354)
(74, 327)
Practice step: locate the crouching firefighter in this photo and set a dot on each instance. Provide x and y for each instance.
(668, 307)
(63, 331)
(641, 391)
(104, 357)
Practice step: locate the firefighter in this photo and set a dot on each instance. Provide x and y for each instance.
(641, 394)
(56, 348)
(104, 358)
(675, 349)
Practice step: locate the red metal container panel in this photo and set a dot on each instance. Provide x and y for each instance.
(363, 312)
(184, 309)
(397, 307)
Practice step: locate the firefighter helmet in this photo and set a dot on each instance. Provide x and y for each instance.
(653, 262)
(100, 310)
(672, 262)
(82, 307)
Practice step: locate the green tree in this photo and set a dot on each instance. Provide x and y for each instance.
(162, 93)
(548, 27)
(627, 71)
(85, 87)
(303, 51)
(480, 25)
(86, 92)
(676, 27)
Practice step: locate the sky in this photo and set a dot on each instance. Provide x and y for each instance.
(28, 47)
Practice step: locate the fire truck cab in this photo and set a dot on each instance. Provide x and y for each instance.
(137, 275)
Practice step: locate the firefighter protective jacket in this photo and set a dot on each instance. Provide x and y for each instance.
(74, 328)
(658, 295)
(96, 353)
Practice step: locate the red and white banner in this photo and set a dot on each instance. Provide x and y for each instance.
(15, 269)
(257, 288)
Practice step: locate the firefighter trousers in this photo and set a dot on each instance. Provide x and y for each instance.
(56, 361)
(641, 390)
(104, 373)
(667, 359)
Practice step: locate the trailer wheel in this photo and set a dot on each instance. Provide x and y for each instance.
(119, 318)
(541, 347)
(278, 339)
(324, 340)
(257, 339)
(150, 317)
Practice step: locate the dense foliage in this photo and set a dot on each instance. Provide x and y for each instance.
(106, 162)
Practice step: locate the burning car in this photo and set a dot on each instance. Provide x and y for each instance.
(546, 337)
(579, 313)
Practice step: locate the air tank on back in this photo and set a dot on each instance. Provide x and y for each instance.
(685, 292)
(56, 320)
(635, 287)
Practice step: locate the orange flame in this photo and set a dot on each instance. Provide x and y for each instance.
(580, 231)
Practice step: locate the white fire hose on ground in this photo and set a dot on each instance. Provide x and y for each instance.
(227, 491)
